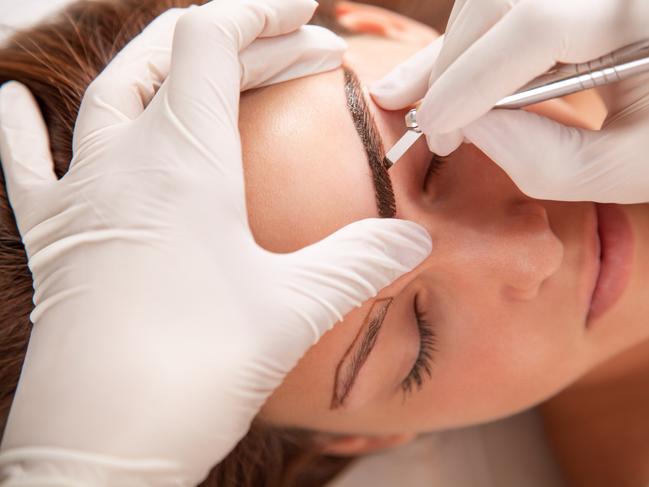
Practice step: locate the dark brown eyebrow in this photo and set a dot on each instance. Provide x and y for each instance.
(354, 358)
(373, 144)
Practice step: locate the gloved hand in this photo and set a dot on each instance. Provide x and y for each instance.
(160, 325)
(492, 48)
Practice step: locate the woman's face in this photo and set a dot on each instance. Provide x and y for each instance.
(497, 317)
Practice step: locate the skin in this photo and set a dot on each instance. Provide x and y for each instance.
(598, 427)
(507, 287)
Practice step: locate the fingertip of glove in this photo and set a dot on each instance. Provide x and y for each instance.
(491, 131)
(10, 91)
(419, 235)
(326, 37)
(313, 5)
(340, 43)
(380, 89)
(11, 85)
(445, 144)
(301, 5)
(389, 95)
(411, 242)
(17, 105)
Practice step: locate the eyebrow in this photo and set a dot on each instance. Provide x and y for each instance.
(356, 355)
(372, 142)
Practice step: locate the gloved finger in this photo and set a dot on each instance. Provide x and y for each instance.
(24, 148)
(444, 144)
(408, 82)
(625, 96)
(204, 82)
(309, 50)
(328, 279)
(125, 87)
(485, 73)
(470, 21)
(455, 12)
(548, 160)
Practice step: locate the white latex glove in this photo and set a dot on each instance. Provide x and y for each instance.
(493, 47)
(160, 325)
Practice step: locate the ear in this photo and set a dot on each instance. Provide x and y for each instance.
(353, 445)
(368, 19)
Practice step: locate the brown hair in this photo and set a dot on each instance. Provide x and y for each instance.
(57, 60)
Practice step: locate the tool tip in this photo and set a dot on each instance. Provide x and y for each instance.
(387, 163)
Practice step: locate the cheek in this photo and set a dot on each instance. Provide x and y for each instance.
(505, 355)
(502, 359)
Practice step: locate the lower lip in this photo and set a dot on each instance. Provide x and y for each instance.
(616, 257)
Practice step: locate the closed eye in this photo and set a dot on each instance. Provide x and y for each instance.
(422, 368)
(436, 162)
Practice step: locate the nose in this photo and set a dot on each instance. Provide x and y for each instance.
(511, 248)
(535, 252)
(484, 228)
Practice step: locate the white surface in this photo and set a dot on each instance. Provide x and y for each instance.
(18, 14)
(510, 452)
(507, 453)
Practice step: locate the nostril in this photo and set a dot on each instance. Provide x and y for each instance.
(521, 294)
(530, 209)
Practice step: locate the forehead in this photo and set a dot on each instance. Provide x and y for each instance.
(307, 175)
(306, 171)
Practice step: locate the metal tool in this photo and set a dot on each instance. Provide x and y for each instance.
(561, 80)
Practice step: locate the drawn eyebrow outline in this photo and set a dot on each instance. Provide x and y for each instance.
(372, 142)
(358, 351)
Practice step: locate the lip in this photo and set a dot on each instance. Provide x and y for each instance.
(615, 257)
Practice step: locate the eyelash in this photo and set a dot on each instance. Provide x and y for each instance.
(423, 364)
(427, 339)
(436, 162)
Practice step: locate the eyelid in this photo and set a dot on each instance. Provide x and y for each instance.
(427, 347)
(436, 162)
